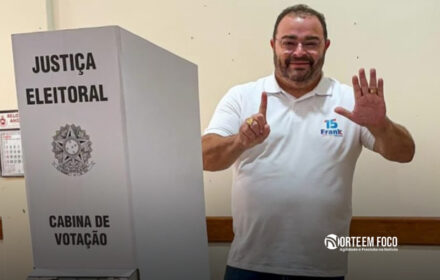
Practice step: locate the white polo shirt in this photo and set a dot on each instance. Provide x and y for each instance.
(294, 189)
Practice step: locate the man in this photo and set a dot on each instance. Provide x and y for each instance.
(294, 138)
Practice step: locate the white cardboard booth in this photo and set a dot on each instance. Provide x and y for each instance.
(112, 156)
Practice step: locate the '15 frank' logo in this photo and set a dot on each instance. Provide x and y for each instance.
(331, 128)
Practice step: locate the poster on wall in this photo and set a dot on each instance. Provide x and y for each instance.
(9, 120)
(10, 153)
(11, 160)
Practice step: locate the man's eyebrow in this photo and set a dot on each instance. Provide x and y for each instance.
(309, 38)
(313, 38)
(289, 37)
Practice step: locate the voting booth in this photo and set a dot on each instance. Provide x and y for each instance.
(112, 156)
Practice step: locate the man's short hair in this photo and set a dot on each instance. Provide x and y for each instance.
(301, 10)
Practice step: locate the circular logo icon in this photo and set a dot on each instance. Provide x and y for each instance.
(331, 241)
(72, 148)
(2, 121)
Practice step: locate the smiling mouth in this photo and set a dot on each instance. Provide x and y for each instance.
(300, 62)
(299, 65)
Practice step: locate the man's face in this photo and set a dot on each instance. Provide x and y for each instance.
(299, 49)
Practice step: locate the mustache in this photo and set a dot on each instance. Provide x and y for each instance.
(310, 60)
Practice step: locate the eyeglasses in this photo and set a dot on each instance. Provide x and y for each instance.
(290, 44)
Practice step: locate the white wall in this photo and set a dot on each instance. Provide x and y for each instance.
(229, 41)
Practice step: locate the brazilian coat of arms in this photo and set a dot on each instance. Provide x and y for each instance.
(72, 148)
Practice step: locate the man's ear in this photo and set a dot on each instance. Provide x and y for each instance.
(272, 44)
(327, 44)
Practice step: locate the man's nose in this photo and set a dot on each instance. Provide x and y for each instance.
(299, 50)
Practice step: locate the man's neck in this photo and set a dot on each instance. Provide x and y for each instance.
(297, 89)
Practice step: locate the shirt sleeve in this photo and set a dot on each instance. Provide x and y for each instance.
(226, 118)
(367, 139)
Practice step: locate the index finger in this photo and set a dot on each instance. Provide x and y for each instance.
(263, 104)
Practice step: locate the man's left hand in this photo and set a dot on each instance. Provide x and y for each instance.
(392, 140)
(369, 107)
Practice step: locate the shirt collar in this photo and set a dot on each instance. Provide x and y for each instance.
(324, 87)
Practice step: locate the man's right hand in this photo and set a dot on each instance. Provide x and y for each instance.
(219, 152)
(255, 129)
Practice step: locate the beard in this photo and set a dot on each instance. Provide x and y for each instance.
(306, 75)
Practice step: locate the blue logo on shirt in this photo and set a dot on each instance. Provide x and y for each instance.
(331, 128)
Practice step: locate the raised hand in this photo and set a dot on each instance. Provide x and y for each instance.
(255, 129)
(369, 108)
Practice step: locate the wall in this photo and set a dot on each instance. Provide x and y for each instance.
(229, 41)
